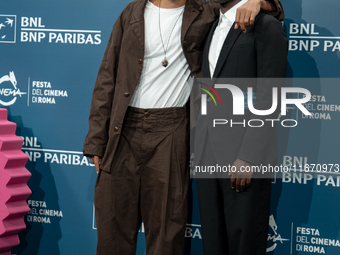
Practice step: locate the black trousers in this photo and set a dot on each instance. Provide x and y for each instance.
(233, 223)
(148, 181)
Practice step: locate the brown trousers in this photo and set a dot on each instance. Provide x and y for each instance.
(148, 181)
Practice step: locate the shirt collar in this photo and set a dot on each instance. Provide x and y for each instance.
(231, 14)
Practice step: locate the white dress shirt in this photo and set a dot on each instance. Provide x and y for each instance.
(225, 23)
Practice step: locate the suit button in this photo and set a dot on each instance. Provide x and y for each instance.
(116, 129)
(146, 114)
(140, 61)
(184, 42)
(126, 94)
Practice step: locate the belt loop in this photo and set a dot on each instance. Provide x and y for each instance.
(178, 113)
(172, 115)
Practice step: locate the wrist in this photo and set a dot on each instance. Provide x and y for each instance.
(266, 6)
(262, 3)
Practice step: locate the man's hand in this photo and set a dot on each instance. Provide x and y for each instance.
(246, 13)
(241, 179)
(96, 161)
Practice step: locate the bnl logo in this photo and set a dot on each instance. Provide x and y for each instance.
(239, 99)
(8, 28)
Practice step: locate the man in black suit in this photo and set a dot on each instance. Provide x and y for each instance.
(235, 210)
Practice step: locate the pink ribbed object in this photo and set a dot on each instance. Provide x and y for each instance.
(13, 185)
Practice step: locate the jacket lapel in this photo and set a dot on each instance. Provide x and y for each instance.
(191, 10)
(137, 21)
(205, 65)
(228, 44)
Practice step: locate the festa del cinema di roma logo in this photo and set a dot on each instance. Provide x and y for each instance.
(9, 94)
(239, 103)
(273, 236)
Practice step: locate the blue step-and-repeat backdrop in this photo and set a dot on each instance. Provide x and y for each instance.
(50, 52)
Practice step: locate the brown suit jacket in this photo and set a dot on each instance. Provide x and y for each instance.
(121, 68)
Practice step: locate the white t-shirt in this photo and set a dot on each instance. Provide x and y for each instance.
(160, 86)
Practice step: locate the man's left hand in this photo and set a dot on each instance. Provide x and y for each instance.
(246, 14)
(241, 178)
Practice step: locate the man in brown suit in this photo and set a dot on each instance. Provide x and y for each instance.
(138, 124)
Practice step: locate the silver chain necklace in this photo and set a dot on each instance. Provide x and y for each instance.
(165, 62)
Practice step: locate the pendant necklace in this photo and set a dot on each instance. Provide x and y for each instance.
(165, 62)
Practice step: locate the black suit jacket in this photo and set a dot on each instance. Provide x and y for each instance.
(261, 52)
